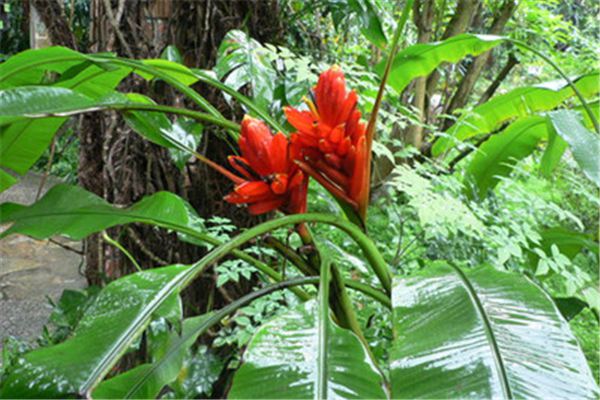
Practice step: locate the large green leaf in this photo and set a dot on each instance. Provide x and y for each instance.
(304, 355)
(482, 333)
(24, 141)
(111, 324)
(584, 144)
(35, 100)
(421, 59)
(519, 102)
(497, 156)
(29, 67)
(74, 212)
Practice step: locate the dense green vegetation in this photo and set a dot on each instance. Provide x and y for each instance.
(473, 274)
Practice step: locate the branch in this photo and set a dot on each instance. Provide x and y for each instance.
(510, 64)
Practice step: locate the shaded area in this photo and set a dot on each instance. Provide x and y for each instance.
(31, 271)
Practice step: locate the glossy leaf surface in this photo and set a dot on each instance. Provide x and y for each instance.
(74, 212)
(500, 153)
(118, 316)
(24, 141)
(585, 145)
(282, 361)
(519, 102)
(421, 59)
(482, 333)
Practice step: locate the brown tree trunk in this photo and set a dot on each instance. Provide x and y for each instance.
(120, 166)
(461, 96)
(423, 14)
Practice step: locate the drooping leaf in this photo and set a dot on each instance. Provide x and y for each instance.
(554, 151)
(76, 213)
(35, 100)
(282, 361)
(118, 316)
(180, 137)
(24, 141)
(482, 333)
(519, 102)
(421, 59)
(585, 145)
(29, 67)
(497, 156)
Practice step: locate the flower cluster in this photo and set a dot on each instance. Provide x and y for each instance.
(329, 144)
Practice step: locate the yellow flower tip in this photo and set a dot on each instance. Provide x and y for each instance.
(311, 106)
(335, 67)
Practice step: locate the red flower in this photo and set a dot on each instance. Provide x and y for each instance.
(333, 140)
(269, 177)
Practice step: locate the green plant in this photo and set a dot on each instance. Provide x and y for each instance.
(460, 326)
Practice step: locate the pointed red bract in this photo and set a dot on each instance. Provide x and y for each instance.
(333, 140)
(270, 179)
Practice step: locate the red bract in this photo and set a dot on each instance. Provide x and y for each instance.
(269, 177)
(332, 139)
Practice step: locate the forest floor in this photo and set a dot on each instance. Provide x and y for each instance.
(32, 272)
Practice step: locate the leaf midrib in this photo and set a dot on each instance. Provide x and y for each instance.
(489, 332)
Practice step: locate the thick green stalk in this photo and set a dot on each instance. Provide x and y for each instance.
(544, 57)
(323, 328)
(307, 269)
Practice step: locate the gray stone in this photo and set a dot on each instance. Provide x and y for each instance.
(31, 271)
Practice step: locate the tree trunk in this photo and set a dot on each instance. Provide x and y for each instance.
(120, 166)
(465, 88)
(423, 14)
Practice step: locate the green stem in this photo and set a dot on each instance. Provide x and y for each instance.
(199, 116)
(323, 328)
(362, 208)
(113, 242)
(544, 57)
(307, 269)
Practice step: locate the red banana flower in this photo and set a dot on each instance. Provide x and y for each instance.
(333, 140)
(270, 179)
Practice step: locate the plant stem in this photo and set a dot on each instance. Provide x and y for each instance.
(118, 245)
(362, 210)
(307, 269)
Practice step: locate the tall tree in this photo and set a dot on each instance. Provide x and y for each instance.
(119, 165)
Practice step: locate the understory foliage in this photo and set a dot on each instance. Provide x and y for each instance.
(460, 265)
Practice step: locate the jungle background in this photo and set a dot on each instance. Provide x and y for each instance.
(273, 51)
